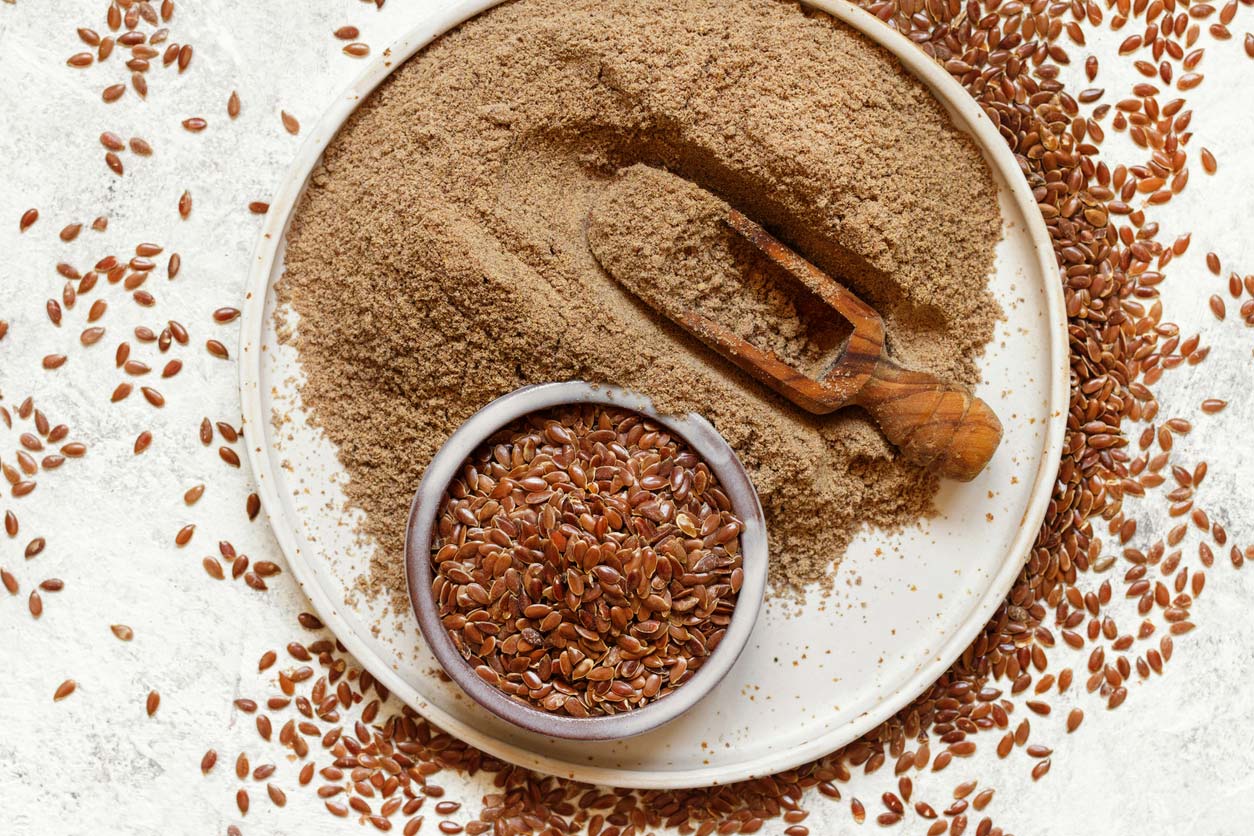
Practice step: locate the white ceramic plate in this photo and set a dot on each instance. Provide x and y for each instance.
(905, 605)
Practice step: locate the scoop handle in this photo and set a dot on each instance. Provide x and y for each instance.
(939, 425)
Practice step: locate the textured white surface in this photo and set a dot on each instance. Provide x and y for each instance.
(1174, 759)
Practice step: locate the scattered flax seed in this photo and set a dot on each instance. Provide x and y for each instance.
(229, 456)
(225, 315)
(70, 232)
(143, 441)
(258, 207)
(290, 123)
(153, 396)
(123, 632)
(195, 124)
(185, 204)
(113, 92)
(100, 224)
(252, 506)
(184, 535)
(217, 349)
(28, 217)
(152, 703)
(1217, 307)
(1212, 405)
(241, 801)
(357, 50)
(347, 33)
(1208, 161)
(193, 495)
(35, 604)
(232, 105)
(140, 146)
(114, 162)
(64, 690)
(208, 761)
(54, 361)
(1212, 263)
(309, 621)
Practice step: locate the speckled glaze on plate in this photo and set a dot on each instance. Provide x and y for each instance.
(904, 606)
(701, 436)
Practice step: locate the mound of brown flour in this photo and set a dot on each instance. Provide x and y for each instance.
(439, 257)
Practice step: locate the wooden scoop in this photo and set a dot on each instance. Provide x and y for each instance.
(936, 424)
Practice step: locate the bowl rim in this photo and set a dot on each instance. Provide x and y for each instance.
(693, 429)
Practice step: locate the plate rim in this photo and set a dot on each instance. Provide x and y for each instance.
(252, 344)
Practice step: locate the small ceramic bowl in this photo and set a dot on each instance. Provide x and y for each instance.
(704, 440)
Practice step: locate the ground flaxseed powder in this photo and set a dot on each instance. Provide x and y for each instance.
(440, 257)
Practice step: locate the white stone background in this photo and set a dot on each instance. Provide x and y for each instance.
(1175, 759)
